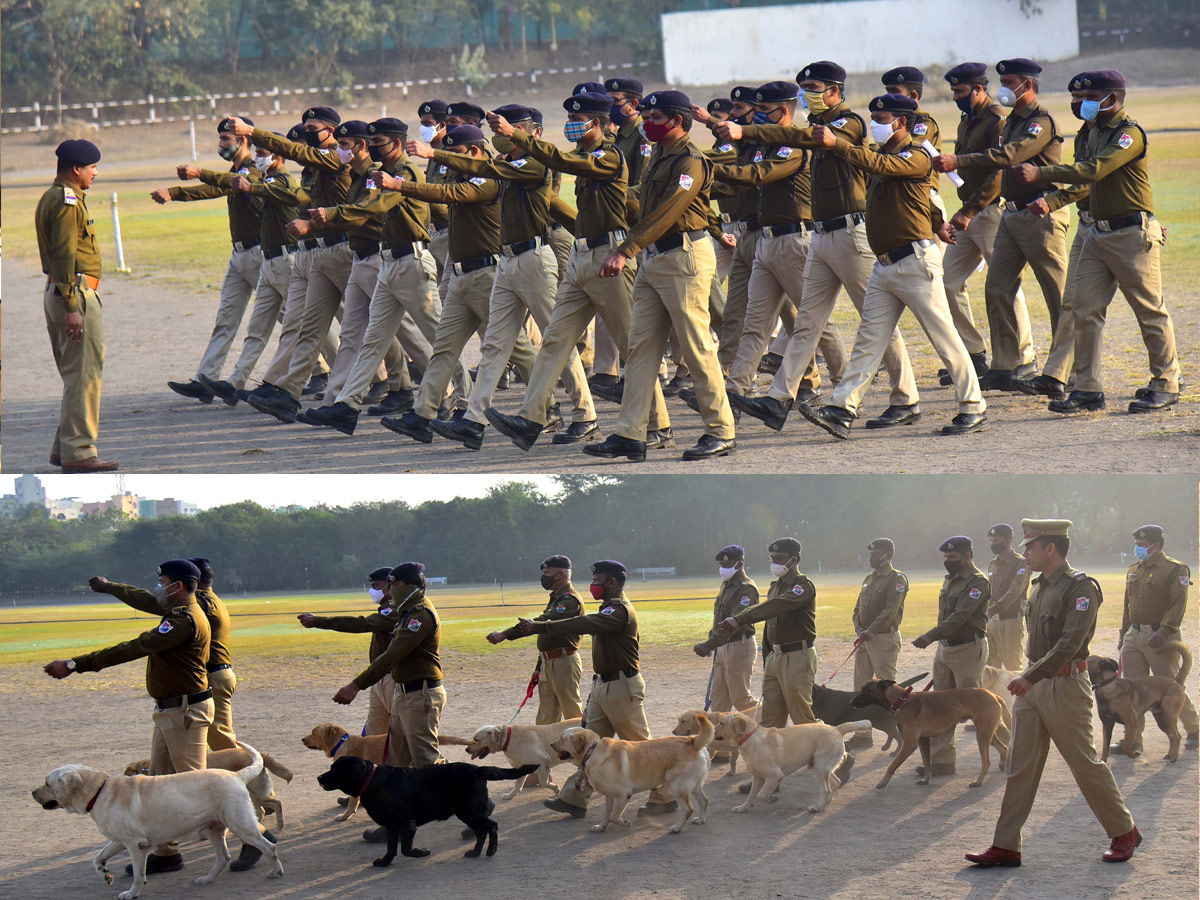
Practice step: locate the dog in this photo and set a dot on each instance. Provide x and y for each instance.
(234, 759)
(335, 742)
(689, 724)
(772, 753)
(619, 769)
(836, 708)
(924, 714)
(996, 680)
(521, 745)
(402, 799)
(140, 812)
(1126, 700)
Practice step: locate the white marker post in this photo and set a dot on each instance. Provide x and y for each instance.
(121, 267)
(192, 137)
(954, 177)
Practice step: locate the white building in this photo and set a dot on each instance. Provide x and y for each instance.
(29, 491)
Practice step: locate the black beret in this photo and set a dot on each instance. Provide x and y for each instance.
(201, 563)
(589, 103)
(78, 153)
(731, 554)
(352, 128)
(1076, 83)
(558, 561)
(536, 115)
(720, 104)
(435, 108)
(608, 567)
(1018, 66)
(968, 73)
(514, 112)
(296, 132)
(464, 110)
(668, 101)
(1104, 79)
(785, 545)
(624, 86)
(893, 103)
(407, 573)
(882, 544)
(742, 93)
(391, 127)
(588, 87)
(776, 92)
(179, 568)
(380, 574)
(822, 70)
(324, 113)
(903, 75)
(1003, 529)
(224, 126)
(959, 543)
(462, 134)
(1151, 533)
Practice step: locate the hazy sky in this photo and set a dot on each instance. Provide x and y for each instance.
(279, 490)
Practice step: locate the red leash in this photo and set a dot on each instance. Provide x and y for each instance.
(533, 682)
(858, 642)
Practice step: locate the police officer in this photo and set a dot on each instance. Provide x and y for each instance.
(910, 81)
(1124, 252)
(558, 654)
(1008, 578)
(1054, 701)
(176, 651)
(1156, 595)
(71, 262)
(877, 615)
(241, 275)
(432, 128)
(734, 653)
(672, 285)
(961, 633)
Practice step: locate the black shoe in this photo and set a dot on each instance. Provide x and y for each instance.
(602, 380)
(375, 835)
(965, 423)
(614, 445)
(411, 425)
(806, 396)
(466, 432)
(833, 419)
(1041, 385)
(578, 433)
(414, 372)
(193, 390)
(519, 430)
(709, 447)
(394, 403)
(979, 361)
(688, 396)
(156, 864)
(1142, 392)
(576, 812)
(249, 855)
(944, 378)
(1153, 401)
(377, 392)
(613, 393)
(896, 415)
(266, 389)
(554, 419)
(770, 363)
(843, 770)
(1028, 370)
(316, 385)
(1077, 402)
(222, 389)
(243, 394)
(503, 381)
(280, 404)
(996, 380)
(341, 416)
(771, 411)
(675, 385)
(314, 415)
(662, 439)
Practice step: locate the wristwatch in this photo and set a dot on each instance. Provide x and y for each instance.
(71, 665)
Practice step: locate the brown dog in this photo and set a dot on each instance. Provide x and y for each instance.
(1127, 700)
(924, 714)
(334, 741)
(689, 724)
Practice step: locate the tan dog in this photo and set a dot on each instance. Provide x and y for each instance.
(619, 769)
(334, 741)
(772, 753)
(234, 759)
(996, 680)
(922, 715)
(1127, 700)
(689, 724)
(522, 745)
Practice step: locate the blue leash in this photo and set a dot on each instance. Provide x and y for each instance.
(708, 691)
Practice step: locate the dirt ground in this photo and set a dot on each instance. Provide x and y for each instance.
(904, 840)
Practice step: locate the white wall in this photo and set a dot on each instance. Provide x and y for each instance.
(758, 44)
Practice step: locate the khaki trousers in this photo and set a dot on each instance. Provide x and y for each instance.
(439, 246)
(787, 687)
(737, 294)
(836, 260)
(1139, 660)
(716, 309)
(328, 275)
(179, 744)
(877, 658)
(80, 364)
(560, 241)
(241, 277)
(1006, 643)
(959, 262)
(1060, 363)
(1125, 259)
(955, 667)
(558, 689)
(1024, 239)
(915, 282)
(356, 312)
(733, 672)
(293, 315)
(523, 283)
(1059, 710)
(413, 729)
(270, 294)
(671, 290)
(221, 735)
(582, 296)
(606, 358)
(379, 708)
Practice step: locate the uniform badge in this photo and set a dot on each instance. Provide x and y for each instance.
(385, 611)
(1081, 603)
(798, 589)
(745, 601)
(476, 180)
(685, 181)
(607, 611)
(164, 627)
(1124, 141)
(647, 149)
(243, 171)
(920, 128)
(270, 179)
(725, 148)
(560, 608)
(784, 152)
(905, 154)
(69, 197)
(758, 156)
(867, 583)
(900, 587)
(599, 154)
(1184, 580)
(975, 593)
(519, 163)
(1034, 128)
(838, 123)
(1020, 571)
(414, 625)
(442, 170)
(370, 184)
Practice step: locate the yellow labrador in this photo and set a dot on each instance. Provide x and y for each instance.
(996, 680)
(772, 753)
(619, 769)
(335, 741)
(522, 745)
(140, 812)
(689, 723)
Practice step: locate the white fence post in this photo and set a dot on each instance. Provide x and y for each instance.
(192, 137)
(121, 267)
(37, 116)
(150, 105)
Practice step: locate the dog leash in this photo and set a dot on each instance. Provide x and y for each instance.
(533, 681)
(858, 642)
(708, 691)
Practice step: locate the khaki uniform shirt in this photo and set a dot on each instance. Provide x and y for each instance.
(1156, 592)
(210, 604)
(737, 594)
(245, 210)
(790, 610)
(412, 652)
(405, 218)
(634, 147)
(898, 203)
(1060, 622)
(781, 174)
(282, 199)
(1114, 166)
(925, 128)
(1079, 194)
(976, 133)
(962, 607)
(739, 200)
(473, 205)
(1008, 577)
(363, 224)
(614, 630)
(66, 240)
(437, 173)
(564, 604)
(325, 177)
(723, 153)
(601, 181)
(379, 624)
(880, 605)
(673, 196)
(524, 191)
(1029, 136)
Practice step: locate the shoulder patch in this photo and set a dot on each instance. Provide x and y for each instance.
(725, 148)
(784, 152)
(758, 156)
(519, 163)
(905, 154)
(1184, 580)
(838, 123)
(599, 154)
(920, 128)
(745, 601)
(558, 607)
(1035, 128)
(442, 170)
(1081, 603)
(798, 589)
(270, 179)
(1124, 141)
(243, 171)
(975, 593)
(476, 180)
(164, 627)
(685, 181)
(607, 611)
(647, 149)
(69, 197)
(414, 624)
(1079, 576)
(1021, 571)
(900, 585)
(385, 611)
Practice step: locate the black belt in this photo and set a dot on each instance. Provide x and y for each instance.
(793, 645)
(312, 244)
(741, 637)
(471, 265)
(840, 222)
(333, 240)
(404, 250)
(519, 247)
(967, 640)
(789, 228)
(613, 676)
(751, 224)
(272, 252)
(173, 702)
(367, 252)
(1120, 222)
(218, 668)
(1017, 205)
(900, 253)
(420, 684)
(246, 245)
(675, 241)
(601, 240)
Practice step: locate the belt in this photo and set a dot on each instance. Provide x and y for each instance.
(333, 240)
(793, 645)
(367, 252)
(966, 640)
(516, 249)
(419, 685)
(674, 241)
(774, 231)
(246, 245)
(311, 244)
(561, 651)
(404, 250)
(1086, 217)
(471, 265)
(600, 240)
(173, 702)
(81, 280)
(839, 223)
(751, 224)
(1154, 627)
(1016, 205)
(745, 635)
(272, 252)
(1121, 221)
(907, 250)
(1075, 665)
(613, 676)
(556, 226)
(218, 668)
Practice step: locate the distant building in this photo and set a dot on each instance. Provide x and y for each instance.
(8, 506)
(188, 509)
(64, 509)
(98, 508)
(29, 491)
(125, 504)
(147, 509)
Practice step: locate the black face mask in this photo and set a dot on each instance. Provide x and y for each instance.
(548, 582)
(313, 138)
(998, 548)
(877, 559)
(747, 119)
(953, 566)
(375, 151)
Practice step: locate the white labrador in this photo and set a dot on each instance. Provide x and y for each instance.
(522, 745)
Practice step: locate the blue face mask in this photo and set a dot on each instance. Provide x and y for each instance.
(617, 115)
(1089, 110)
(1140, 552)
(761, 118)
(964, 103)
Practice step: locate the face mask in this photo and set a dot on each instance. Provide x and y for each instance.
(428, 132)
(376, 151)
(966, 105)
(263, 163)
(778, 569)
(1090, 109)
(761, 118)
(1076, 110)
(501, 143)
(345, 155)
(743, 120)
(576, 130)
(1141, 552)
(953, 566)
(655, 131)
(877, 559)
(548, 582)
(227, 153)
(726, 572)
(313, 138)
(161, 595)
(597, 591)
(814, 102)
(617, 114)
(998, 548)
(376, 594)
(881, 132)
(1005, 96)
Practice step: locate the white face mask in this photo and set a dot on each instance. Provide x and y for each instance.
(428, 132)
(1005, 96)
(345, 155)
(882, 132)
(161, 595)
(376, 594)
(778, 569)
(727, 573)
(262, 163)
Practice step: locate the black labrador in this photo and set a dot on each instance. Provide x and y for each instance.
(834, 708)
(403, 799)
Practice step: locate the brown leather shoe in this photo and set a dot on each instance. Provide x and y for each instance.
(91, 464)
(1122, 847)
(56, 461)
(995, 856)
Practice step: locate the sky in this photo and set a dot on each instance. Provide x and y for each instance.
(279, 490)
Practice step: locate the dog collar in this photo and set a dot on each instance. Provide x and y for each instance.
(96, 796)
(338, 745)
(747, 737)
(902, 699)
(362, 790)
(507, 738)
(1102, 684)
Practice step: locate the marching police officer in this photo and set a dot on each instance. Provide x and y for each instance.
(734, 653)
(877, 615)
(1008, 578)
